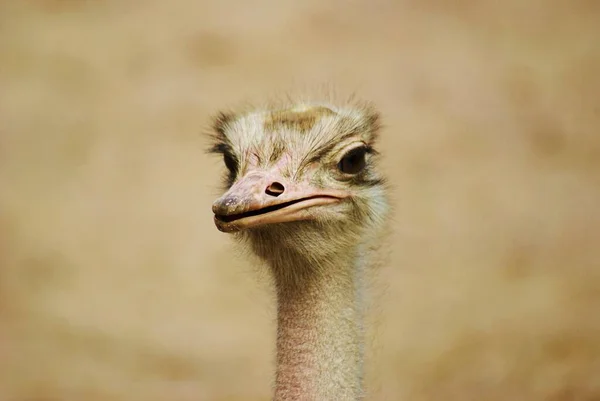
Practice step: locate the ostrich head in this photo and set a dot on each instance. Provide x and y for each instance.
(301, 182)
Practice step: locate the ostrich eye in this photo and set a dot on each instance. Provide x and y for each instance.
(230, 163)
(353, 162)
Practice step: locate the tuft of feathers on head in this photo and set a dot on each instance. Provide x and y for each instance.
(301, 113)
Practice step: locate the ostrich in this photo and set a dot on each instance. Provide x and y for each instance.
(303, 193)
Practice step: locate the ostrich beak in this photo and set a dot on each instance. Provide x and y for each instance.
(261, 198)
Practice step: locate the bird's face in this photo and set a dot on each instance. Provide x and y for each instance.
(299, 168)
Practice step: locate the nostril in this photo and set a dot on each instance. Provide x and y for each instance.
(275, 189)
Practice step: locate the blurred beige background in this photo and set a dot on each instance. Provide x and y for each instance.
(115, 285)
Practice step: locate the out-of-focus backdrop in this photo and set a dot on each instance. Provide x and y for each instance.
(115, 285)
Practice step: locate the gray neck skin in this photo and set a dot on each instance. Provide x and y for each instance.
(319, 330)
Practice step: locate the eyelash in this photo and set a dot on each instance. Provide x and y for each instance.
(231, 162)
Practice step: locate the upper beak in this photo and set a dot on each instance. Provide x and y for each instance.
(261, 198)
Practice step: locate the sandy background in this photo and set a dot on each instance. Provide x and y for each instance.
(115, 285)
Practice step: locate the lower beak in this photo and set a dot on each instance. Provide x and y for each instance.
(249, 203)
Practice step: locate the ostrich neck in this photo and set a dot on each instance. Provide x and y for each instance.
(319, 333)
